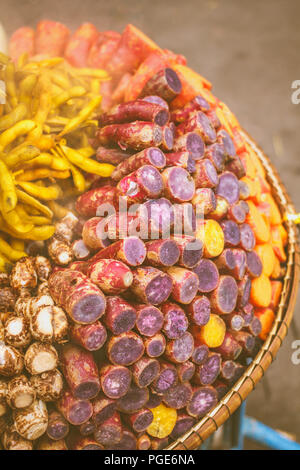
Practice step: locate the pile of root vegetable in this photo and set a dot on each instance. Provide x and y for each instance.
(111, 338)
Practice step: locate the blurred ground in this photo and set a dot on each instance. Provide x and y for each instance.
(250, 52)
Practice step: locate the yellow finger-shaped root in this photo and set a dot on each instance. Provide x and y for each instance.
(13, 221)
(78, 178)
(32, 202)
(21, 154)
(86, 164)
(9, 197)
(4, 59)
(17, 244)
(22, 60)
(84, 114)
(11, 84)
(16, 115)
(10, 252)
(26, 87)
(50, 62)
(164, 420)
(61, 79)
(58, 210)
(5, 265)
(31, 219)
(40, 192)
(20, 128)
(86, 152)
(95, 73)
(48, 160)
(74, 92)
(42, 173)
(41, 233)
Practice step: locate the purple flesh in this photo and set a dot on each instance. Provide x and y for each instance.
(80, 412)
(256, 326)
(92, 447)
(178, 396)
(236, 322)
(240, 263)
(125, 321)
(203, 400)
(166, 380)
(247, 237)
(228, 187)
(238, 213)
(215, 153)
(206, 129)
(173, 80)
(247, 314)
(105, 414)
(135, 251)
(58, 431)
(224, 138)
(189, 289)
(157, 157)
(229, 258)
(169, 253)
(87, 390)
(186, 371)
(228, 370)
(156, 100)
(135, 399)
(208, 275)
(162, 117)
(154, 401)
(126, 351)
(221, 389)
(143, 421)
(209, 371)
(96, 339)
(168, 138)
(191, 164)
(200, 354)
(244, 190)
(182, 426)
(231, 231)
(155, 347)
(116, 383)
(181, 185)
(128, 442)
(202, 103)
(244, 291)
(151, 180)
(149, 321)
(89, 309)
(195, 145)
(149, 373)
(87, 428)
(175, 323)
(183, 347)
(108, 435)
(227, 294)
(160, 213)
(192, 253)
(201, 311)
(159, 289)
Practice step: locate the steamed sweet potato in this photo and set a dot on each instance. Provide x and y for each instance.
(267, 317)
(258, 224)
(261, 291)
(267, 256)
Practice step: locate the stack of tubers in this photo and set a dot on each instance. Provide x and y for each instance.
(113, 340)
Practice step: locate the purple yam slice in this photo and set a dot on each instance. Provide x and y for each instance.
(228, 187)
(203, 400)
(208, 275)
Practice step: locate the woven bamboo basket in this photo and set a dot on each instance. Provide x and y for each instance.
(256, 370)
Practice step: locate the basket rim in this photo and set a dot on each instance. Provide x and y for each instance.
(266, 355)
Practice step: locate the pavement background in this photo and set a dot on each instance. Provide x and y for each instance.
(250, 52)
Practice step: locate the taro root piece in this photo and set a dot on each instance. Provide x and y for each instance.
(80, 371)
(103, 408)
(88, 428)
(230, 348)
(202, 401)
(204, 200)
(223, 299)
(162, 253)
(129, 250)
(155, 346)
(113, 156)
(151, 285)
(136, 135)
(254, 264)
(88, 203)
(165, 83)
(40, 357)
(183, 424)
(196, 104)
(138, 110)
(224, 138)
(7, 299)
(16, 332)
(23, 274)
(85, 443)
(134, 400)
(43, 268)
(3, 397)
(178, 396)
(182, 159)
(232, 235)
(216, 154)
(11, 361)
(111, 276)
(125, 349)
(205, 175)
(31, 422)
(180, 349)
(12, 440)
(110, 431)
(175, 320)
(185, 371)
(228, 187)
(192, 143)
(115, 380)
(145, 371)
(149, 319)
(207, 373)
(190, 249)
(143, 442)
(208, 275)
(185, 284)
(48, 385)
(247, 237)
(80, 250)
(74, 410)
(200, 353)
(166, 379)
(60, 251)
(92, 235)
(82, 300)
(179, 186)
(144, 183)
(199, 310)
(58, 426)
(149, 156)
(20, 392)
(91, 337)
(140, 420)
(199, 122)
(128, 442)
